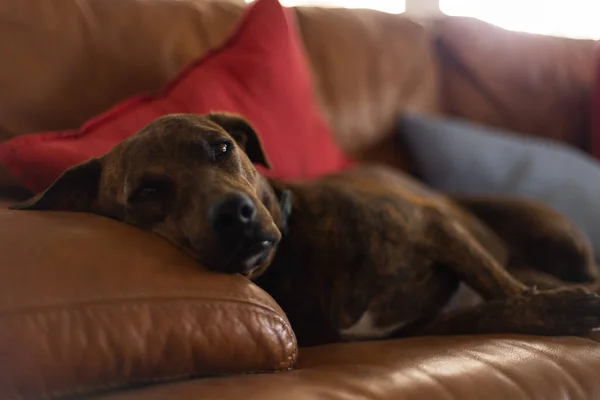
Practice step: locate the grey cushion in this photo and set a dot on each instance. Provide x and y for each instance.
(461, 157)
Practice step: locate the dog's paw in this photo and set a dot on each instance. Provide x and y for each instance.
(565, 311)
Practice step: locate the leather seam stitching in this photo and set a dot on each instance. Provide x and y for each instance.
(190, 294)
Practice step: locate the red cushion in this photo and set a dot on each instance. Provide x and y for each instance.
(260, 72)
(595, 104)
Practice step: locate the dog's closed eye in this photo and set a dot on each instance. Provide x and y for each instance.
(145, 193)
(153, 189)
(150, 202)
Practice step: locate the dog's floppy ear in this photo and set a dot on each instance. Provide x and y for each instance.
(75, 190)
(244, 134)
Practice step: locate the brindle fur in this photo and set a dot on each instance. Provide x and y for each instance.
(368, 238)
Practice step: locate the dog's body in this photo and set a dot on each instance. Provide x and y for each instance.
(370, 253)
(365, 254)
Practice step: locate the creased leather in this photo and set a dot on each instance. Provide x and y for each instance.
(87, 304)
(460, 368)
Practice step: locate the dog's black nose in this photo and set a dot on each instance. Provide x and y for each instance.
(233, 212)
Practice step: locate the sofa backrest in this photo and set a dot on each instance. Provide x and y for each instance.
(533, 84)
(368, 68)
(66, 62)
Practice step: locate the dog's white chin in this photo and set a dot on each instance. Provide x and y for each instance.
(251, 262)
(253, 265)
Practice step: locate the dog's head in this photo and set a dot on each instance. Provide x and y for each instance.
(189, 179)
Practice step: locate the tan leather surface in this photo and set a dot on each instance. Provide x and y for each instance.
(66, 61)
(87, 303)
(369, 67)
(490, 368)
(538, 85)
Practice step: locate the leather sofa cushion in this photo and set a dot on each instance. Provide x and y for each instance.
(368, 68)
(72, 60)
(434, 368)
(87, 304)
(534, 84)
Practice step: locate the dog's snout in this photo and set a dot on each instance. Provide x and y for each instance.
(233, 211)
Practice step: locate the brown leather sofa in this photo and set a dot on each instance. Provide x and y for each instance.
(93, 308)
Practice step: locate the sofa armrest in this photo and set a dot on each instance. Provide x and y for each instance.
(88, 304)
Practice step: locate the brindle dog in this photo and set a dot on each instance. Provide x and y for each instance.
(364, 254)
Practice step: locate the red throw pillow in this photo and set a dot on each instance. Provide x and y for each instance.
(260, 72)
(595, 111)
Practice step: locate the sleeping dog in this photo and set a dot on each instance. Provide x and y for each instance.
(364, 254)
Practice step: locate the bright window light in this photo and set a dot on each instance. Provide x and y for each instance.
(388, 6)
(570, 18)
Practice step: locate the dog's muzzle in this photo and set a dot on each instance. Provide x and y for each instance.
(234, 220)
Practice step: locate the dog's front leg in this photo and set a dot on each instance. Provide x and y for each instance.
(566, 311)
(452, 245)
